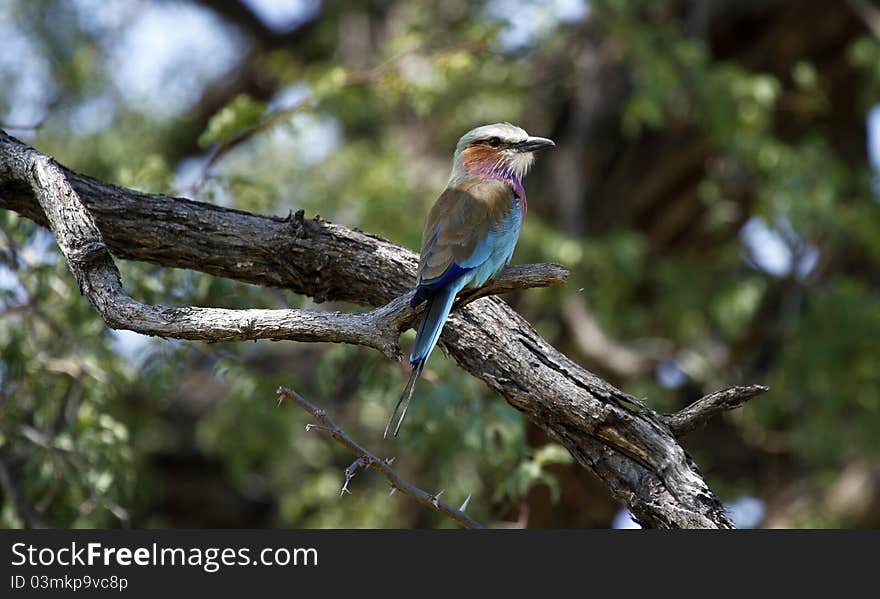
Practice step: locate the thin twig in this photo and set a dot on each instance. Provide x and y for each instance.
(222, 149)
(366, 459)
(696, 414)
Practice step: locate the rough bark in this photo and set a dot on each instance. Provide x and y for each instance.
(627, 445)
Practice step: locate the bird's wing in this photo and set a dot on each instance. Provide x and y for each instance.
(457, 230)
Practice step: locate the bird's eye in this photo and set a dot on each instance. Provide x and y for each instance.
(493, 142)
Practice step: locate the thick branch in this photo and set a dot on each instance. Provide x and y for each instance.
(598, 347)
(92, 266)
(632, 449)
(366, 459)
(709, 406)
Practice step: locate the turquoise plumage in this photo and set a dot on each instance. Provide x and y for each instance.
(471, 231)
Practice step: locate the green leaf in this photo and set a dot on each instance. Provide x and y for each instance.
(553, 453)
(241, 113)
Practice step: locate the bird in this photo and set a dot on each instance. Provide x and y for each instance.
(470, 233)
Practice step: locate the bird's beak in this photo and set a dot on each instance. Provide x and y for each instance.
(534, 143)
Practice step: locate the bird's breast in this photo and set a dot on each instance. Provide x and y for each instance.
(502, 240)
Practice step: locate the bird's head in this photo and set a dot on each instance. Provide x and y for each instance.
(499, 151)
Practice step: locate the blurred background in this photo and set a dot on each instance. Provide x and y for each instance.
(712, 193)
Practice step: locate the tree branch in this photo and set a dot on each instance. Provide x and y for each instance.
(709, 406)
(99, 280)
(366, 459)
(631, 448)
(868, 13)
(609, 354)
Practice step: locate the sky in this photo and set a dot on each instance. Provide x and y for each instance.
(770, 249)
(873, 126)
(746, 512)
(874, 137)
(165, 56)
(527, 19)
(283, 15)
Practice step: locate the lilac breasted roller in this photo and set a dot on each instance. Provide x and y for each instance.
(471, 231)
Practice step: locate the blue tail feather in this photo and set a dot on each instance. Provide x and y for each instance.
(436, 313)
(404, 399)
(432, 323)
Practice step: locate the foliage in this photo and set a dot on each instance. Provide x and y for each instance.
(94, 423)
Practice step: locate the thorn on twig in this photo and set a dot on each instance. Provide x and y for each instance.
(359, 464)
(319, 427)
(366, 459)
(466, 502)
(282, 395)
